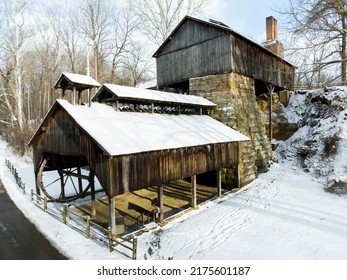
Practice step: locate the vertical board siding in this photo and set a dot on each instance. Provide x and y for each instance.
(160, 167)
(258, 63)
(198, 49)
(212, 56)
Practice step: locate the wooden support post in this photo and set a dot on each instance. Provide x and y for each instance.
(117, 105)
(80, 186)
(88, 227)
(62, 184)
(271, 89)
(92, 187)
(152, 107)
(112, 215)
(134, 257)
(110, 239)
(89, 97)
(38, 190)
(219, 183)
(79, 97)
(238, 165)
(74, 96)
(160, 203)
(65, 213)
(193, 183)
(45, 203)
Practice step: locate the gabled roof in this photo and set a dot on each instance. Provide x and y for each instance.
(216, 24)
(71, 80)
(122, 133)
(131, 93)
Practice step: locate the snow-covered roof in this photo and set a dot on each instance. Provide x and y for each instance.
(124, 92)
(120, 133)
(77, 79)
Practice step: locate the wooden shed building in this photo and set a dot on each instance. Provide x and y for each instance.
(211, 60)
(197, 48)
(128, 146)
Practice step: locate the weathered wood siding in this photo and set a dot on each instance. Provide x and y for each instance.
(143, 170)
(126, 173)
(256, 62)
(199, 49)
(196, 50)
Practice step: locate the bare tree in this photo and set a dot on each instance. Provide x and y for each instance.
(138, 64)
(14, 37)
(320, 27)
(125, 24)
(93, 24)
(160, 17)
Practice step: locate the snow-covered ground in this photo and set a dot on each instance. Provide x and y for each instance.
(285, 214)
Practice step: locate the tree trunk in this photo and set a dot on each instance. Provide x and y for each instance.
(343, 50)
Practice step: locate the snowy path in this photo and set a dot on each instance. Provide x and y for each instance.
(281, 215)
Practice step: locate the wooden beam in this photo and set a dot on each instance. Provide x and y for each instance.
(69, 173)
(238, 165)
(89, 97)
(92, 187)
(74, 96)
(112, 215)
(117, 105)
(160, 193)
(79, 97)
(219, 183)
(193, 183)
(271, 89)
(62, 184)
(80, 186)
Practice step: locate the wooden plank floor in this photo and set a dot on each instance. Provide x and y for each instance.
(131, 207)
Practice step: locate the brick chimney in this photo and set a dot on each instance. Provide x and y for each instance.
(272, 42)
(271, 28)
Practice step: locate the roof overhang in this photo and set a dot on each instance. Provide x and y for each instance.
(79, 82)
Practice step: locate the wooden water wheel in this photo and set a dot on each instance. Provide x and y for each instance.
(64, 181)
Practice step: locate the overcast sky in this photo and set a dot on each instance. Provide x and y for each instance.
(247, 17)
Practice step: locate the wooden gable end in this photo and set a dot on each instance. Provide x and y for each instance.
(189, 33)
(62, 138)
(196, 49)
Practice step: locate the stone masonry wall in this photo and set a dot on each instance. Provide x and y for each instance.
(234, 95)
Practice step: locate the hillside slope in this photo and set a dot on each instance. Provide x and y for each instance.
(320, 144)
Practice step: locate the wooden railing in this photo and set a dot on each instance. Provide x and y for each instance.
(14, 172)
(129, 245)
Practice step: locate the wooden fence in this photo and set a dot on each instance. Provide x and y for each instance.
(81, 223)
(14, 172)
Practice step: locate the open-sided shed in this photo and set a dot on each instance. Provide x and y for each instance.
(127, 151)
